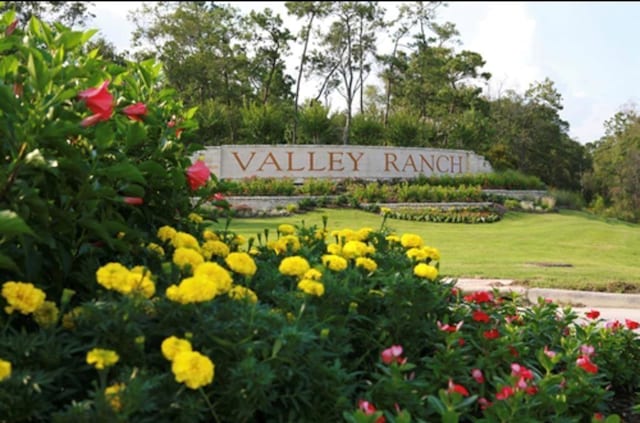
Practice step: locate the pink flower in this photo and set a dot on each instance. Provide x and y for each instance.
(521, 371)
(99, 101)
(615, 325)
(454, 387)
(369, 409)
(134, 201)
(587, 350)
(135, 111)
(393, 354)
(585, 363)
(449, 328)
(198, 174)
(484, 403)
(593, 314)
(480, 316)
(477, 375)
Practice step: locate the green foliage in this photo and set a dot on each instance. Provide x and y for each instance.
(78, 184)
(316, 126)
(366, 130)
(263, 124)
(479, 214)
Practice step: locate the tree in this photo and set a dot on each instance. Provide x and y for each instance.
(346, 50)
(69, 13)
(311, 10)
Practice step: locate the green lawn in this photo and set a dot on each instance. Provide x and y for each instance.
(571, 250)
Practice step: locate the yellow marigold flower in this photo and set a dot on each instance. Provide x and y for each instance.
(311, 287)
(286, 229)
(47, 314)
(173, 345)
(313, 274)
(289, 243)
(239, 240)
(174, 294)
(101, 358)
(192, 368)
(385, 211)
(69, 319)
(196, 289)
(411, 241)
(215, 248)
(426, 271)
(433, 253)
(367, 264)
(363, 234)
(112, 275)
(254, 251)
(22, 296)
(320, 234)
(294, 266)
(334, 262)
(156, 248)
(141, 282)
(166, 233)
(5, 369)
(240, 293)
(353, 249)
(217, 274)
(393, 238)
(186, 256)
(209, 235)
(241, 263)
(417, 254)
(185, 240)
(345, 235)
(195, 218)
(112, 394)
(335, 249)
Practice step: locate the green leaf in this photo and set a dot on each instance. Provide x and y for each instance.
(436, 404)
(190, 113)
(96, 229)
(153, 169)
(7, 99)
(104, 136)
(8, 66)
(125, 171)
(136, 134)
(11, 224)
(7, 263)
(450, 417)
(71, 39)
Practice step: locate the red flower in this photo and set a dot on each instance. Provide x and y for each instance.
(598, 416)
(449, 328)
(484, 403)
(513, 351)
(198, 174)
(393, 354)
(480, 316)
(585, 362)
(12, 27)
(479, 297)
(615, 325)
(100, 102)
(491, 334)
(631, 324)
(593, 314)
(523, 372)
(461, 342)
(134, 201)
(135, 111)
(531, 390)
(477, 375)
(454, 387)
(504, 393)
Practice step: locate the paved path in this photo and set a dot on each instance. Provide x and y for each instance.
(611, 306)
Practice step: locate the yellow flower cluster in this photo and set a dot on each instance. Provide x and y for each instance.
(209, 235)
(156, 248)
(353, 249)
(116, 277)
(367, 264)
(195, 218)
(166, 234)
(102, 358)
(241, 293)
(195, 289)
(187, 258)
(311, 287)
(185, 240)
(47, 314)
(241, 263)
(285, 243)
(215, 248)
(294, 266)
(334, 262)
(423, 253)
(112, 394)
(217, 274)
(313, 274)
(190, 367)
(22, 296)
(286, 229)
(5, 369)
(426, 271)
(411, 241)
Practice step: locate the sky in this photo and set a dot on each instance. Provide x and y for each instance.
(588, 49)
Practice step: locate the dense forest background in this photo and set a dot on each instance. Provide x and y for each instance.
(428, 91)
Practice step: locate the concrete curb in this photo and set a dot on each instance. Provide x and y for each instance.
(561, 296)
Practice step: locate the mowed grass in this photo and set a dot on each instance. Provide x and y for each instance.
(570, 250)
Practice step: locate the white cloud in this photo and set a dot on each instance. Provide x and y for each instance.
(111, 20)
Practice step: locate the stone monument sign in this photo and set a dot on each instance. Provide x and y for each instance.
(338, 161)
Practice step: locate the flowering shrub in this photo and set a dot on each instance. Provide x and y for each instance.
(175, 319)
